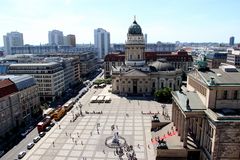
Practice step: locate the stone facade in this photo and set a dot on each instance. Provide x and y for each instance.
(208, 112)
(131, 74)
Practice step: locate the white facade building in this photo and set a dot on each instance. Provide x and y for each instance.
(12, 39)
(55, 37)
(49, 77)
(102, 42)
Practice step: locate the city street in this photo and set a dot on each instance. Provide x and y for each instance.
(12, 154)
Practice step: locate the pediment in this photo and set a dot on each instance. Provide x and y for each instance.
(135, 73)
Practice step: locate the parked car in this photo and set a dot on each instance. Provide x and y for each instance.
(42, 134)
(52, 124)
(48, 128)
(21, 154)
(30, 128)
(30, 145)
(24, 133)
(36, 139)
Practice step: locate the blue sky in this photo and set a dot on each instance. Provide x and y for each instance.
(162, 20)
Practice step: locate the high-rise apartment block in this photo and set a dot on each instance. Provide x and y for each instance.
(102, 42)
(12, 39)
(231, 41)
(70, 40)
(55, 37)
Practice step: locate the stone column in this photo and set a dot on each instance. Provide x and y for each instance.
(186, 123)
(173, 112)
(202, 132)
(182, 127)
(198, 131)
(179, 123)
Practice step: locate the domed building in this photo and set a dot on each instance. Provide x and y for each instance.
(135, 76)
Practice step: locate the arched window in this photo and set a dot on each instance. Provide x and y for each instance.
(162, 84)
(138, 56)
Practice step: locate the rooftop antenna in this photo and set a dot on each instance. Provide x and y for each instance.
(134, 17)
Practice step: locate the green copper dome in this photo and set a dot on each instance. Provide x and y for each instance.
(135, 29)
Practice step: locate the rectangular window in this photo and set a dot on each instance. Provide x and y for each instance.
(235, 95)
(224, 94)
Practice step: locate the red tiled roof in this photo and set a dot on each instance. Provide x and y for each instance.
(115, 57)
(7, 87)
(181, 55)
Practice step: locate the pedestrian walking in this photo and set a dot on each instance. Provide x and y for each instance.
(53, 144)
(103, 151)
(81, 142)
(66, 133)
(75, 142)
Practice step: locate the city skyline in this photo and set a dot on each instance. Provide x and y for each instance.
(185, 21)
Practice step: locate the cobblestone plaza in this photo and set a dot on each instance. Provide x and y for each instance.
(85, 137)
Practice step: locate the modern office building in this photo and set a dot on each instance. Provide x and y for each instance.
(69, 65)
(231, 41)
(55, 37)
(70, 40)
(49, 77)
(102, 42)
(85, 63)
(145, 38)
(46, 49)
(12, 39)
(19, 101)
(206, 113)
(149, 47)
(233, 57)
(216, 58)
(160, 47)
(35, 49)
(135, 76)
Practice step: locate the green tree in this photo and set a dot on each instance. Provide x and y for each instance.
(163, 95)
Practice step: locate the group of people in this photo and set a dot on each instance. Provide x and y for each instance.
(93, 112)
(151, 113)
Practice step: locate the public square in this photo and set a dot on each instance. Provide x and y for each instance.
(85, 137)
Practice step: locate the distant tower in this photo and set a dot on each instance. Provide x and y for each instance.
(231, 41)
(145, 38)
(135, 46)
(102, 42)
(55, 37)
(70, 40)
(12, 39)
